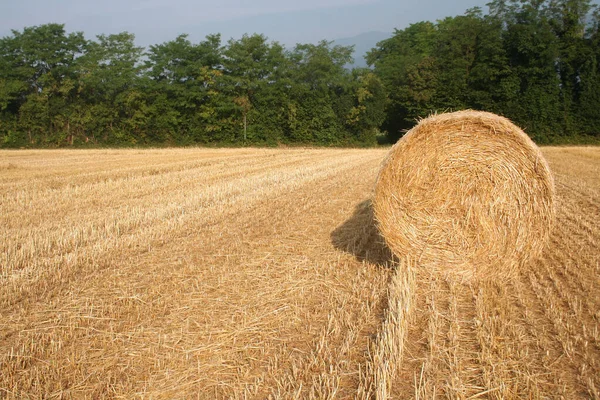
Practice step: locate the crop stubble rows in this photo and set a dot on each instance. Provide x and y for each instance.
(254, 273)
(536, 337)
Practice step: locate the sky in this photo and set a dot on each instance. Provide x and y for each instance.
(288, 22)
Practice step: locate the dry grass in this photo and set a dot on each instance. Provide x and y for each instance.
(535, 337)
(177, 272)
(467, 194)
(386, 352)
(259, 274)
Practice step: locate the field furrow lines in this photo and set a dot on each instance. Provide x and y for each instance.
(132, 292)
(260, 273)
(65, 248)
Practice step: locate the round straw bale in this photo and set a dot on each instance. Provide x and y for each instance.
(467, 194)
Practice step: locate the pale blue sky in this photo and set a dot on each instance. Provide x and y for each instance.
(289, 22)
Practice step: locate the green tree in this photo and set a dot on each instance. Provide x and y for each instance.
(255, 72)
(406, 65)
(321, 93)
(37, 67)
(588, 101)
(492, 82)
(568, 20)
(182, 89)
(533, 51)
(368, 110)
(529, 60)
(108, 74)
(458, 43)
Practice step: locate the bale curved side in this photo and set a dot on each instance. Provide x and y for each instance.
(467, 194)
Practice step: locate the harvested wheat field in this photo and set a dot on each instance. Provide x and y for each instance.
(254, 274)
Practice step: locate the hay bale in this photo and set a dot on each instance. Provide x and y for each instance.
(467, 194)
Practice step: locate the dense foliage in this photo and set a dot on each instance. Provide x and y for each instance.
(534, 61)
(60, 89)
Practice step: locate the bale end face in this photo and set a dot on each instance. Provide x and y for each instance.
(466, 194)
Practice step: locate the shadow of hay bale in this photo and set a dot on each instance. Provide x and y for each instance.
(360, 237)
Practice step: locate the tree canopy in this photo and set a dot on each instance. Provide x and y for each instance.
(59, 89)
(533, 61)
(536, 62)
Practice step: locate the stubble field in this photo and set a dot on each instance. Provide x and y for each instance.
(254, 273)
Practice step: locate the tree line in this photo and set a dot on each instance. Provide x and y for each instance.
(536, 62)
(59, 89)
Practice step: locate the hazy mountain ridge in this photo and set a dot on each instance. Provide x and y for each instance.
(363, 43)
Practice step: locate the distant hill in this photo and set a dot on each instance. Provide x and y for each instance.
(363, 43)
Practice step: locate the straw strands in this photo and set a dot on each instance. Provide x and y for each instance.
(467, 194)
(386, 352)
(259, 273)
